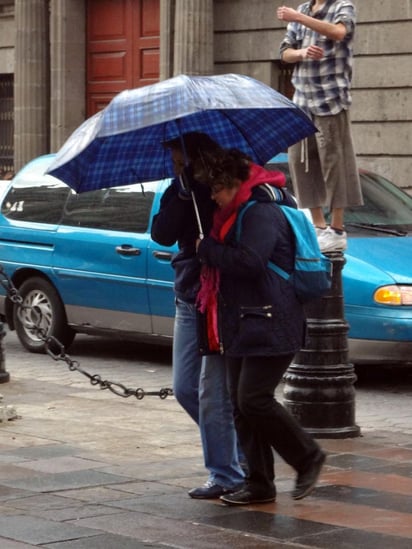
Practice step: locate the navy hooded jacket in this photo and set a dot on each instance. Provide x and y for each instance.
(258, 311)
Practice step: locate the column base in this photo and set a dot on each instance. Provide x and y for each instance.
(342, 432)
(4, 377)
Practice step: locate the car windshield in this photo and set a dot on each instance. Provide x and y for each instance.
(35, 197)
(385, 205)
(386, 209)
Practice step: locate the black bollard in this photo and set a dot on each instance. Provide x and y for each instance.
(4, 376)
(319, 384)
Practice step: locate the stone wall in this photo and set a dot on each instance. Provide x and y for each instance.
(247, 37)
(7, 37)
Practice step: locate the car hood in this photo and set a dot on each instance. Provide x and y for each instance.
(388, 254)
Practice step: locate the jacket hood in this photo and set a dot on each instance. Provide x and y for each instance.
(259, 175)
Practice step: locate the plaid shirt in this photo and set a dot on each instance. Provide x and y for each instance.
(322, 87)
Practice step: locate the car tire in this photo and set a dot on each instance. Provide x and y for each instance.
(42, 306)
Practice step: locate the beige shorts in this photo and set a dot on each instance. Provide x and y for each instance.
(323, 166)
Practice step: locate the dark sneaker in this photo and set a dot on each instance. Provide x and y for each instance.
(209, 490)
(245, 496)
(306, 480)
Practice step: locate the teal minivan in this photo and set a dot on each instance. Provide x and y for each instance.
(87, 263)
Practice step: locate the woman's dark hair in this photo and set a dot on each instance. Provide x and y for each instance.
(226, 166)
(193, 144)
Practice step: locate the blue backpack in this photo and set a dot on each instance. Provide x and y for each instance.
(312, 274)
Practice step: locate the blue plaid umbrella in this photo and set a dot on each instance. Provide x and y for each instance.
(122, 144)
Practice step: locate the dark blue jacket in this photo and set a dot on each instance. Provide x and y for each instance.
(176, 222)
(259, 314)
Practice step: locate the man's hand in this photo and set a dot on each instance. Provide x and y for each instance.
(333, 31)
(287, 14)
(312, 52)
(183, 184)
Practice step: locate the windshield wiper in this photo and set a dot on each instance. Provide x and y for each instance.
(378, 228)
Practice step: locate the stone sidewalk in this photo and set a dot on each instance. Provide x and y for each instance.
(82, 468)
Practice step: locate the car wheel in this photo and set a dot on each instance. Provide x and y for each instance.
(41, 314)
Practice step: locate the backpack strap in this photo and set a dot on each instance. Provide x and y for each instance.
(274, 193)
(240, 217)
(278, 270)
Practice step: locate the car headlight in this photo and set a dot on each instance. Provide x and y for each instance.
(394, 295)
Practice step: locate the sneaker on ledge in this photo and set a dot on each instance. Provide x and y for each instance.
(330, 240)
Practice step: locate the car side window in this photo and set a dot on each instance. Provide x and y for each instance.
(116, 209)
(38, 200)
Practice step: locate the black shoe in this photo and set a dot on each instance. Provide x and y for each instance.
(306, 480)
(245, 496)
(209, 490)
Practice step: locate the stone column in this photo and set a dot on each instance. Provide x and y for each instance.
(31, 80)
(166, 38)
(193, 38)
(67, 69)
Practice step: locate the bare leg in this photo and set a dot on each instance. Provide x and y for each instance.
(318, 218)
(337, 218)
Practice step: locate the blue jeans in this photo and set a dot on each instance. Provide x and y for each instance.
(199, 385)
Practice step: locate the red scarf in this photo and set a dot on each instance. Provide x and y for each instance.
(223, 220)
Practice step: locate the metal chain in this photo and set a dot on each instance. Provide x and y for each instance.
(60, 353)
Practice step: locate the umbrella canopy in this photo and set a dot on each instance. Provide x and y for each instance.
(123, 143)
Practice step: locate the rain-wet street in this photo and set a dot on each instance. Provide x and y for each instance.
(82, 467)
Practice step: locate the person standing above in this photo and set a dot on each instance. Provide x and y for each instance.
(199, 384)
(260, 322)
(319, 41)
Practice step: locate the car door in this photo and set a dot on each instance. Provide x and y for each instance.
(100, 258)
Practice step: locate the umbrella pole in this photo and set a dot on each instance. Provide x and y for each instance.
(199, 223)
(192, 194)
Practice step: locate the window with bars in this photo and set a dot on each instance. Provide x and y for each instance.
(6, 126)
(285, 76)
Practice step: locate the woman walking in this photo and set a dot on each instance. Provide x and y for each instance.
(259, 323)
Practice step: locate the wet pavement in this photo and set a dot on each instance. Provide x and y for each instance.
(83, 468)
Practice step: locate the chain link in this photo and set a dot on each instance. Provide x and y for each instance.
(55, 349)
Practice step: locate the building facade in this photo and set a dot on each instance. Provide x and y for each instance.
(62, 60)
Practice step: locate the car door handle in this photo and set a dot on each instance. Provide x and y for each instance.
(167, 256)
(125, 249)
